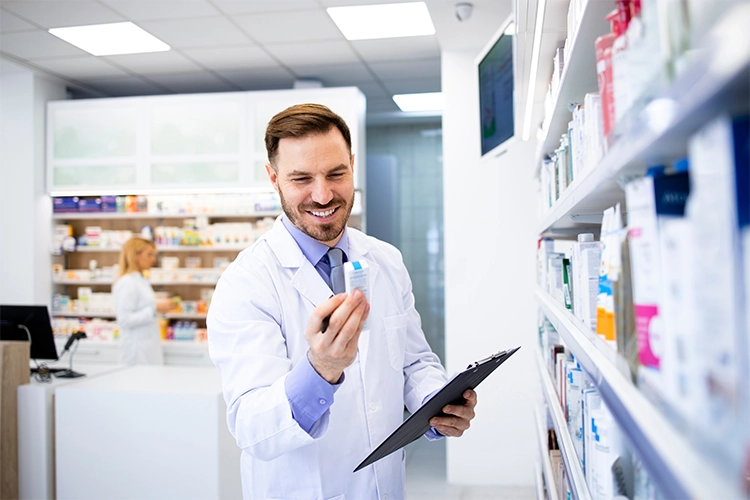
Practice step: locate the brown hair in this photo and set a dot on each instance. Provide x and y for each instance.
(130, 250)
(301, 120)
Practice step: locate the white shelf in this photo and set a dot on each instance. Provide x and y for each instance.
(715, 82)
(166, 248)
(545, 474)
(676, 466)
(146, 215)
(578, 76)
(576, 479)
(82, 315)
(110, 282)
(185, 315)
(539, 482)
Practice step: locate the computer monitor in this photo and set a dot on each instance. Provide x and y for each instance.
(36, 319)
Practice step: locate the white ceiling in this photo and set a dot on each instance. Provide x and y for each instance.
(234, 45)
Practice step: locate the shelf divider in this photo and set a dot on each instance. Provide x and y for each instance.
(676, 466)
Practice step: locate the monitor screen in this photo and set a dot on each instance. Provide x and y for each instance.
(496, 85)
(36, 319)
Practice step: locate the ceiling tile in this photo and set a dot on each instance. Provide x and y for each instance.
(189, 83)
(10, 23)
(314, 53)
(155, 63)
(415, 86)
(421, 68)
(260, 79)
(380, 105)
(373, 90)
(125, 86)
(287, 27)
(335, 75)
(397, 49)
(78, 68)
(61, 13)
(35, 44)
(227, 58)
(199, 32)
(162, 9)
(251, 7)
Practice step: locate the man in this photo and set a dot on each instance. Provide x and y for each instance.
(307, 403)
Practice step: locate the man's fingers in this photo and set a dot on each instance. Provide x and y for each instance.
(325, 309)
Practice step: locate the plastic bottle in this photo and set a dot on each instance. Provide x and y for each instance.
(603, 46)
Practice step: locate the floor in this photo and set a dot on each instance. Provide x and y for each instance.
(425, 478)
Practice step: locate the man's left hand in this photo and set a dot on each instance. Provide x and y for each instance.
(457, 418)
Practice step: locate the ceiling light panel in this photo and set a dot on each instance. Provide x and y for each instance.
(110, 39)
(430, 101)
(367, 22)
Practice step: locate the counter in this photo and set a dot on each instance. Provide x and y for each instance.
(145, 432)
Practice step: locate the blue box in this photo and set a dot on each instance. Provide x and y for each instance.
(65, 204)
(109, 203)
(90, 205)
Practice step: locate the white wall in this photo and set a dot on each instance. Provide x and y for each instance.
(25, 224)
(490, 220)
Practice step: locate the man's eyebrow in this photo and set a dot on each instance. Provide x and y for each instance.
(303, 173)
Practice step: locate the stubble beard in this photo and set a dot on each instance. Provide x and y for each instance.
(320, 232)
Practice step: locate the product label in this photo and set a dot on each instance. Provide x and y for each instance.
(648, 334)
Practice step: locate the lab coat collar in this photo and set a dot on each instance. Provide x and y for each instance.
(307, 280)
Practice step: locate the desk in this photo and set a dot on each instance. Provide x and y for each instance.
(36, 437)
(145, 432)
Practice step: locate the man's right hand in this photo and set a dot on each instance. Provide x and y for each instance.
(334, 350)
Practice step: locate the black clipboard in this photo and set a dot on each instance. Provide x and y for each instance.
(419, 422)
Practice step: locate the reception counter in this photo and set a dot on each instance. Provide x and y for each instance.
(130, 432)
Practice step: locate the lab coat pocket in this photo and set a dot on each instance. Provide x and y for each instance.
(395, 337)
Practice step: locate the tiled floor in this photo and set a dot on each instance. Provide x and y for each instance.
(425, 478)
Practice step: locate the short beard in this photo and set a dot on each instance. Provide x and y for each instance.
(322, 232)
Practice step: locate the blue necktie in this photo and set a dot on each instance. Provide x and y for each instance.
(336, 259)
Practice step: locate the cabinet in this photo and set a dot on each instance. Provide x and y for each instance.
(710, 81)
(182, 142)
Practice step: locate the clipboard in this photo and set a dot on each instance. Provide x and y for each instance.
(419, 422)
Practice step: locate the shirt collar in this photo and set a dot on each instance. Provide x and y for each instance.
(312, 248)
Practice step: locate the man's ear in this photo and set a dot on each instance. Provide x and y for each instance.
(273, 176)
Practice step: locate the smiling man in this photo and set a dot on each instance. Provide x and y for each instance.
(307, 403)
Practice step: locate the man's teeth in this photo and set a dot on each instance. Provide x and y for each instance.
(323, 214)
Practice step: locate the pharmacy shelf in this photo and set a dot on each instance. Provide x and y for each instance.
(678, 469)
(110, 282)
(167, 248)
(539, 480)
(578, 76)
(545, 476)
(147, 215)
(576, 479)
(182, 315)
(57, 314)
(715, 82)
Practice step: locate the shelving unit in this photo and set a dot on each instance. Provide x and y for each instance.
(679, 469)
(578, 76)
(714, 82)
(544, 471)
(576, 479)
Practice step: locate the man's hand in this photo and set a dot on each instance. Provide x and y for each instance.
(458, 417)
(334, 350)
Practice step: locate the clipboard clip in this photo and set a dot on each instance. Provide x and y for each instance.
(475, 364)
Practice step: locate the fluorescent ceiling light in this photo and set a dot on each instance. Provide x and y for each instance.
(110, 39)
(431, 101)
(365, 22)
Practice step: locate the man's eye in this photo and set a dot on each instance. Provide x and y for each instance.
(300, 180)
(337, 175)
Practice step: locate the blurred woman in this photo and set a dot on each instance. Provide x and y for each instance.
(136, 305)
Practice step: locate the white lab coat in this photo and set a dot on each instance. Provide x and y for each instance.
(135, 304)
(256, 335)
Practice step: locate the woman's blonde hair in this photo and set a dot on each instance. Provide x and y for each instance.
(130, 250)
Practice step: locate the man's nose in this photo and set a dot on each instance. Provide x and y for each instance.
(322, 193)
